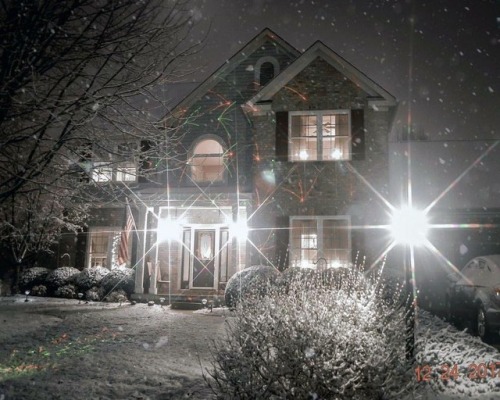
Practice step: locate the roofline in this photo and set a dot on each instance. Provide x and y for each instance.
(318, 49)
(232, 63)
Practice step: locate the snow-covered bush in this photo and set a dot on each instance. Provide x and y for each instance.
(116, 296)
(250, 280)
(312, 341)
(119, 278)
(331, 277)
(32, 277)
(39, 290)
(94, 294)
(66, 291)
(60, 277)
(90, 277)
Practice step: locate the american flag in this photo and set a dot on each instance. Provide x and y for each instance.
(123, 255)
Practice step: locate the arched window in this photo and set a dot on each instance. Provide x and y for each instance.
(207, 162)
(266, 73)
(266, 69)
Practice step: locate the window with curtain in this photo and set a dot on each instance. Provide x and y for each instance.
(319, 136)
(313, 238)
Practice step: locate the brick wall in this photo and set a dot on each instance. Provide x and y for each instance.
(318, 188)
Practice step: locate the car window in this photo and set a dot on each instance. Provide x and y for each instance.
(470, 270)
(495, 274)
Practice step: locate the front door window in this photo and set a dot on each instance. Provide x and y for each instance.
(203, 263)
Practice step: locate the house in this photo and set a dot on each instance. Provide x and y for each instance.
(283, 160)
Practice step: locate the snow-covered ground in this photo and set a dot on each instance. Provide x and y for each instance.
(59, 349)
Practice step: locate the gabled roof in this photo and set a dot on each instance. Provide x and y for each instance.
(378, 95)
(233, 62)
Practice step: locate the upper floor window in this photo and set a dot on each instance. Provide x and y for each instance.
(266, 69)
(118, 165)
(316, 239)
(207, 162)
(319, 136)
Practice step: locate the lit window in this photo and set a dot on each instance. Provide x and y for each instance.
(102, 172)
(207, 162)
(314, 238)
(126, 172)
(320, 136)
(119, 165)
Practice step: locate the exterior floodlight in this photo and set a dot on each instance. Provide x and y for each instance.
(168, 229)
(409, 226)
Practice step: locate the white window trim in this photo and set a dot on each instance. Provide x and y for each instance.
(319, 150)
(263, 60)
(223, 178)
(320, 248)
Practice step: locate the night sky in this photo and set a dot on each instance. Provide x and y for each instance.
(442, 56)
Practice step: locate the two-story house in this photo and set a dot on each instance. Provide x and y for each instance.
(283, 160)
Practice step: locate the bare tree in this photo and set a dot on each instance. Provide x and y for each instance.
(79, 79)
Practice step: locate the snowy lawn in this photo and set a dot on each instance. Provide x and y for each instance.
(59, 349)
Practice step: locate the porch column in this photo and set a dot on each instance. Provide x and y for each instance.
(139, 265)
(153, 257)
(153, 289)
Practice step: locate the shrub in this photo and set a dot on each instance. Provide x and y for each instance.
(39, 290)
(94, 294)
(116, 296)
(66, 291)
(312, 341)
(119, 278)
(90, 277)
(250, 280)
(60, 277)
(32, 277)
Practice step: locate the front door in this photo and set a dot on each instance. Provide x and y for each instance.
(203, 260)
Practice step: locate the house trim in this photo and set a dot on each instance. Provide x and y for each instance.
(231, 64)
(378, 95)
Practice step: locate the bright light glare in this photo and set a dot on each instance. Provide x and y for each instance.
(168, 229)
(336, 154)
(239, 229)
(409, 226)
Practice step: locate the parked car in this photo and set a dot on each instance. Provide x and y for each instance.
(473, 295)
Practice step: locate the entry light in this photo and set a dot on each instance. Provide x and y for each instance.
(168, 229)
(239, 229)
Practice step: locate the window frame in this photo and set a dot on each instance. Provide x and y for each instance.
(296, 253)
(257, 71)
(320, 141)
(115, 164)
(112, 233)
(223, 157)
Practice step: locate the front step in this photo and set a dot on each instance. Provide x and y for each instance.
(180, 302)
(184, 305)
